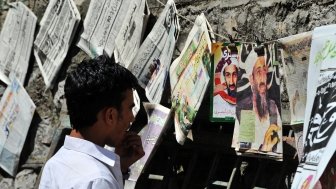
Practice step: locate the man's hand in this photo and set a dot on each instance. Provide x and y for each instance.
(271, 138)
(130, 150)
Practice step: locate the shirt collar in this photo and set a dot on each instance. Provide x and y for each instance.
(87, 147)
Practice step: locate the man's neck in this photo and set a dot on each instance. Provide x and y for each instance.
(86, 134)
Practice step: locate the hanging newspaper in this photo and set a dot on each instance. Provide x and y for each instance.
(189, 77)
(16, 41)
(151, 64)
(258, 127)
(58, 27)
(17, 110)
(114, 25)
(151, 136)
(319, 128)
(295, 58)
(129, 38)
(319, 144)
(224, 81)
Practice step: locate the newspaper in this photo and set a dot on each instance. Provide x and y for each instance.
(320, 38)
(151, 64)
(17, 110)
(158, 121)
(114, 26)
(129, 38)
(319, 144)
(189, 77)
(295, 58)
(318, 130)
(224, 81)
(16, 41)
(200, 27)
(298, 136)
(58, 27)
(258, 126)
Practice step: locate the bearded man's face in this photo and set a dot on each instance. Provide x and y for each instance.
(230, 74)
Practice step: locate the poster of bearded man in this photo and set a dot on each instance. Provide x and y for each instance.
(258, 126)
(224, 79)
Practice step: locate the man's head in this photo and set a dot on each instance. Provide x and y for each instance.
(96, 86)
(259, 75)
(259, 86)
(230, 75)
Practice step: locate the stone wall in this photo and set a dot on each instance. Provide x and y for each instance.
(246, 20)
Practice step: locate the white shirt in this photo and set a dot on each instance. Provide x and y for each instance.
(82, 164)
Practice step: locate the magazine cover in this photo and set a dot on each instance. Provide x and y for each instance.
(189, 78)
(158, 121)
(224, 81)
(258, 126)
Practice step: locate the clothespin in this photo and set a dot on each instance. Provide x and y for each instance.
(238, 33)
(257, 40)
(259, 49)
(231, 38)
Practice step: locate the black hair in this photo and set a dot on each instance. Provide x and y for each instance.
(94, 85)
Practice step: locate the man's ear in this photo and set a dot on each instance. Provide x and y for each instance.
(111, 115)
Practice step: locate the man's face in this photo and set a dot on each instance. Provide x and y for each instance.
(260, 75)
(124, 118)
(230, 74)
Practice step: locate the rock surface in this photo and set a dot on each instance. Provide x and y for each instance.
(246, 20)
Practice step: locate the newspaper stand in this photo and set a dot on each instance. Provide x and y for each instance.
(209, 161)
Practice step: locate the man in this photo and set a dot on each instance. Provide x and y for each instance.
(227, 89)
(264, 107)
(224, 99)
(267, 121)
(230, 75)
(99, 97)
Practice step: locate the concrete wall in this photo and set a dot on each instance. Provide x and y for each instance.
(262, 20)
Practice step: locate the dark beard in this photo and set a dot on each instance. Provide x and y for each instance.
(262, 105)
(232, 93)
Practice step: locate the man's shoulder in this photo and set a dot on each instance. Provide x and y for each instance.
(77, 158)
(72, 168)
(245, 102)
(88, 183)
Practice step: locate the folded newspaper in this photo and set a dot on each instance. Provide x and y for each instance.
(189, 77)
(58, 27)
(16, 41)
(114, 26)
(151, 63)
(17, 110)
